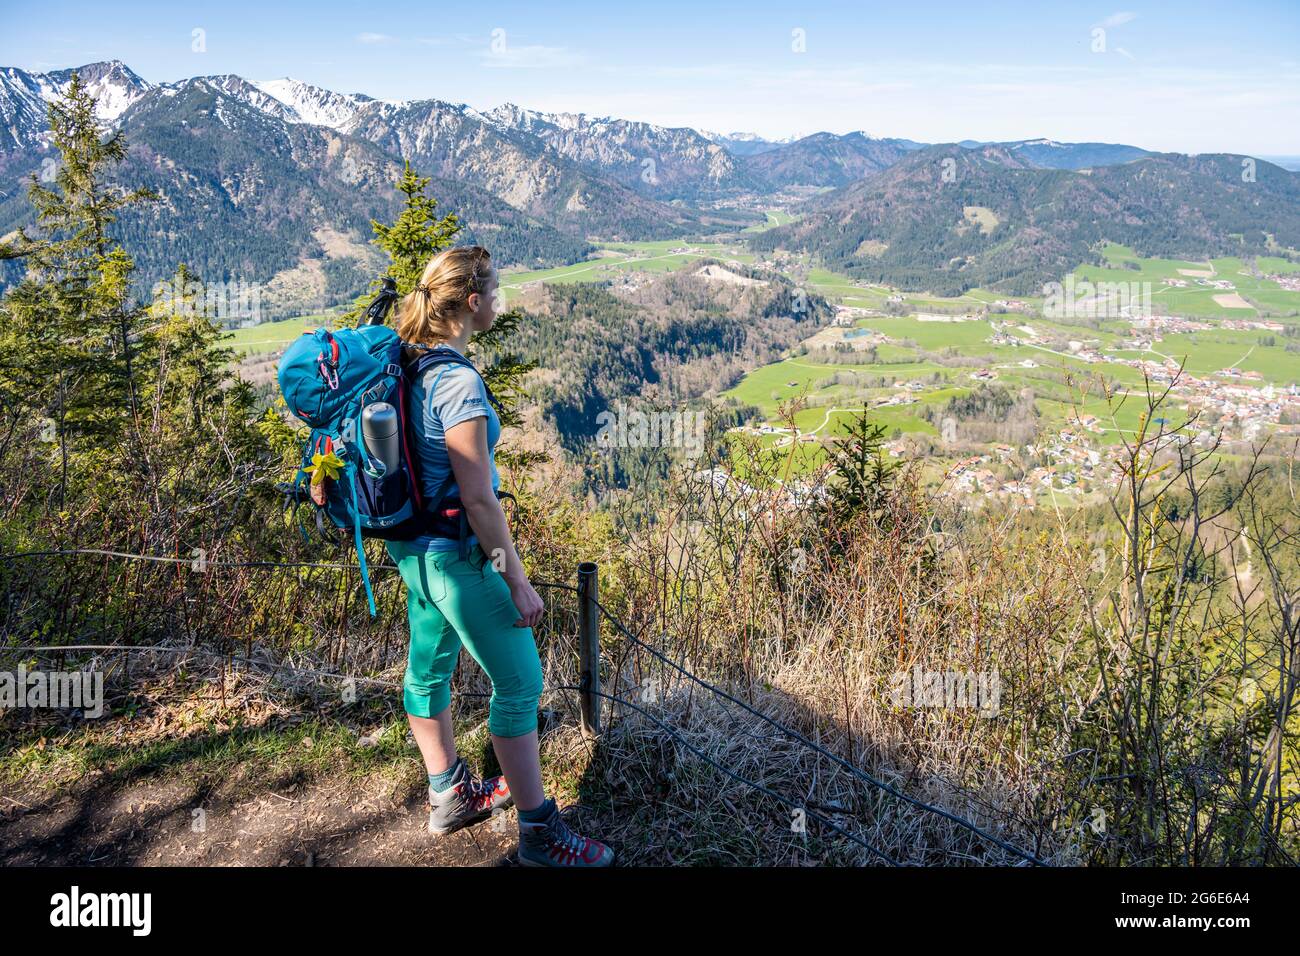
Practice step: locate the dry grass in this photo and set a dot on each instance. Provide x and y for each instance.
(805, 622)
(810, 629)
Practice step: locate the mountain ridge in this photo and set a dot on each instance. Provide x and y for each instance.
(543, 186)
(685, 162)
(946, 219)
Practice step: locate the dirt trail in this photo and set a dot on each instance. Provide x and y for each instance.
(190, 766)
(324, 822)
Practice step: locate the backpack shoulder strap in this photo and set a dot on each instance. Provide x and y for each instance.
(428, 358)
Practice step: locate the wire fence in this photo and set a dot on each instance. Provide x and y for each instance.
(201, 562)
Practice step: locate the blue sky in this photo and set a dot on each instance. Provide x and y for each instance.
(1185, 76)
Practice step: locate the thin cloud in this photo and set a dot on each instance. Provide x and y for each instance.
(1119, 19)
(374, 38)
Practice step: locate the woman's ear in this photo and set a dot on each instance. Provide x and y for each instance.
(473, 302)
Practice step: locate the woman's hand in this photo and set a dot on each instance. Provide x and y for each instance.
(527, 601)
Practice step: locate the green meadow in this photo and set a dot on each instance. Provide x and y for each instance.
(775, 217)
(1204, 354)
(660, 257)
(844, 290)
(968, 337)
(1060, 403)
(273, 336)
(832, 392)
(1264, 295)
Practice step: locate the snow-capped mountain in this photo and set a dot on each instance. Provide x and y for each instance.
(247, 92)
(22, 107)
(656, 161)
(292, 101)
(313, 104)
(746, 144)
(510, 116)
(24, 95)
(279, 181)
(245, 191)
(115, 87)
(533, 168)
(601, 177)
(737, 136)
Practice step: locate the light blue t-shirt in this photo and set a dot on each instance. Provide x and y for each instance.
(443, 397)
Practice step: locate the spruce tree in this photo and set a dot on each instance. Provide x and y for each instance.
(418, 233)
(72, 327)
(153, 430)
(192, 367)
(863, 473)
(415, 237)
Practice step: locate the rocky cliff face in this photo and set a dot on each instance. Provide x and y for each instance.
(521, 166)
(659, 161)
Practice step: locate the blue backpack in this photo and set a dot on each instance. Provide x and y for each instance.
(327, 379)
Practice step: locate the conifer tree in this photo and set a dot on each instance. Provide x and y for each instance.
(864, 474)
(72, 327)
(192, 363)
(151, 425)
(418, 234)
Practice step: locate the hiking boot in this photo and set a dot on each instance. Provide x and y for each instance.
(466, 801)
(550, 842)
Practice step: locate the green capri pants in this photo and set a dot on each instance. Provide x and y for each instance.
(451, 602)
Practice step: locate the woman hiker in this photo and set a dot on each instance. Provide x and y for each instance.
(487, 606)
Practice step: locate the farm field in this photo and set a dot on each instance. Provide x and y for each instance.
(1066, 391)
(1068, 388)
(844, 290)
(273, 336)
(775, 217)
(1261, 296)
(659, 256)
(1208, 353)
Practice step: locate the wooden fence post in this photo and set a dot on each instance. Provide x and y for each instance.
(589, 646)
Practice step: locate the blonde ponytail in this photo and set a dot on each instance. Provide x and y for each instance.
(424, 316)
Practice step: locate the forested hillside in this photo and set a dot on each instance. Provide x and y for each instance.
(948, 219)
(824, 159)
(244, 195)
(671, 341)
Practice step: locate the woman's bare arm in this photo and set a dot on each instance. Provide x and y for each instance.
(468, 452)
